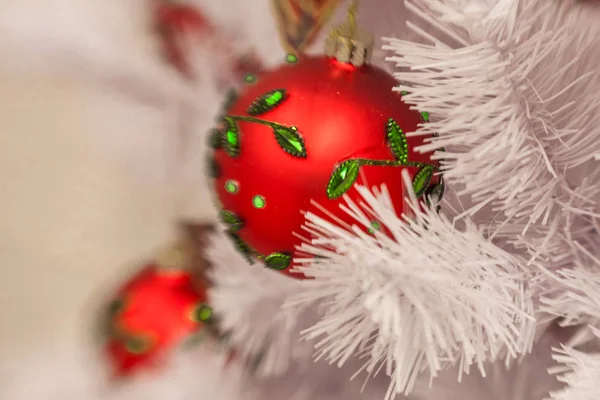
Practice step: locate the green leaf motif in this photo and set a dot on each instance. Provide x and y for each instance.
(290, 140)
(232, 139)
(266, 102)
(214, 171)
(437, 191)
(342, 179)
(422, 179)
(215, 139)
(278, 261)
(397, 141)
(232, 220)
(241, 246)
(230, 99)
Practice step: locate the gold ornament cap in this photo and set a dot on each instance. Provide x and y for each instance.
(174, 258)
(349, 44)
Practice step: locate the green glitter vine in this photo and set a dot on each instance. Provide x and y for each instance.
(276, 261)
(287, 137)
(346, 174)
(266, 102)
(234, 222)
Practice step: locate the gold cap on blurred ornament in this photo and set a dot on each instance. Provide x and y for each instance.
(349, 44)
(174, 258)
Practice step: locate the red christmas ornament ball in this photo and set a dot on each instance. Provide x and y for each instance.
(174, 22)
(306, 132)
(150, 315)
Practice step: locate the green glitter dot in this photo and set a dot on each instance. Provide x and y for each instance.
(231, 187)
(425, 116)
(404, 93)
(259, 201)
(291, 58)
(250, 78)
(203, 313)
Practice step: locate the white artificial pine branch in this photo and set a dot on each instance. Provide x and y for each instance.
(578, 298)
(427, 296)
(247, 301)
(579, 371)
(573, 295)
(513, 99)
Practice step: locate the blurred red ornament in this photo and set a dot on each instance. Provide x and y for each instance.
(308, 131)
(182, 26)
(176, 23)
(153, 313)
(247, 64)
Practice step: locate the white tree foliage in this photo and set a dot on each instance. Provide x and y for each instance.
(580, 372)
(513, 99)
(427, 296)
(247, 300)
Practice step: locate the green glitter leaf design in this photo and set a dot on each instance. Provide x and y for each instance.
(437, 192)
(241, 246)
(397, 141)
(266, 102)
(232, 220)
(215, 139)
(115, 307)
(232, 139)
(290, 141)
(214, 171)
(137, 345)
(230, 99)
(422, 179)
(342, 178)
(278, 261)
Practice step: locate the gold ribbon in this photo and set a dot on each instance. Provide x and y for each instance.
(300, 21)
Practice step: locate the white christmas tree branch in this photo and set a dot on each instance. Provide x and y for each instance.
(247, 300)
(425, 296)
(579, 371)
(513, 95)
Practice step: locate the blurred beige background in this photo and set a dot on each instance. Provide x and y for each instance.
(91, 176)
(76, 203)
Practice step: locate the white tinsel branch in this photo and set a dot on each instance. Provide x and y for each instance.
(427, 296)
(576, 297)
(513, 99)
(580, 372)
(247, 300)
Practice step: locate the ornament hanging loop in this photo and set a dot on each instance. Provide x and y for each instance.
(349, 44)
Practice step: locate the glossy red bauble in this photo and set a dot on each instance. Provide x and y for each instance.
(150, 315)
(307, 132)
